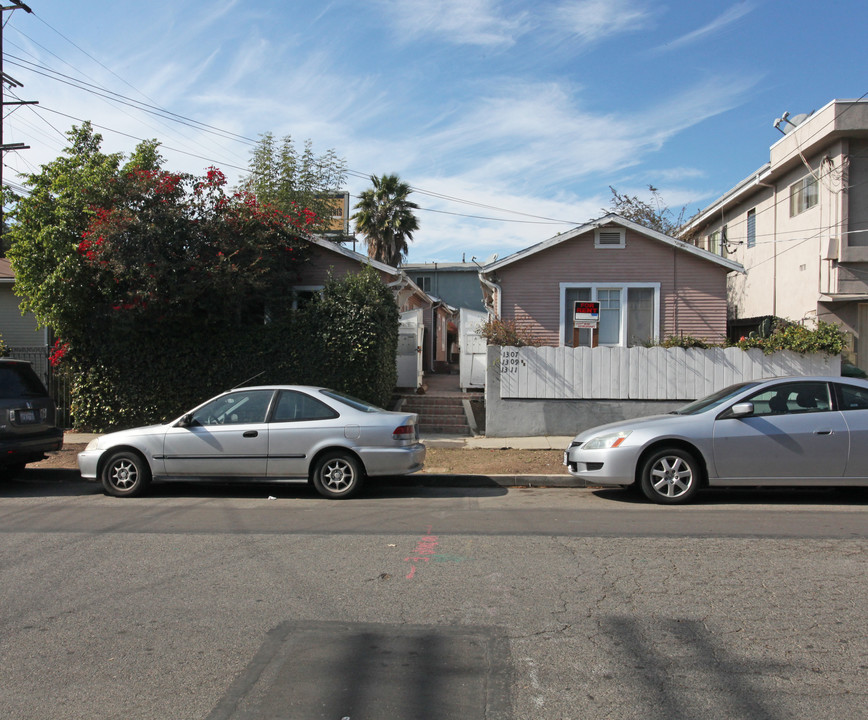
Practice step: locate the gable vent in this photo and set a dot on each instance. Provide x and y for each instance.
(609, 237)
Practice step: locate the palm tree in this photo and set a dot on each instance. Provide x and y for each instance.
(385, 217)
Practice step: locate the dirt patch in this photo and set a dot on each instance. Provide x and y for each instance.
(65, 458)
(486, 461)
(451, 461)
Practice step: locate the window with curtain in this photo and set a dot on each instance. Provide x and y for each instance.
(626, 315)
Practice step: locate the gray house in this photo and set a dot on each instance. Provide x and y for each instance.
(456, 283)
(19, 332)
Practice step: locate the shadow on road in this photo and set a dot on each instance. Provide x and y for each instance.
(750, 496)
(61, 482)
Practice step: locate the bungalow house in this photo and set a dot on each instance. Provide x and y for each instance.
(649, 286)
(799, 226)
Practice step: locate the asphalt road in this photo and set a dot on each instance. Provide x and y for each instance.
(214, 601)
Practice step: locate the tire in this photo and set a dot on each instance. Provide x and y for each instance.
(671, 476)
(125, 474)
(337, 475)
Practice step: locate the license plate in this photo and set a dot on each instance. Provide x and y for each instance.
(566, 458)
(26, 417)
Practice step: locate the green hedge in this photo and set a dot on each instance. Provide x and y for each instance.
(346, 339)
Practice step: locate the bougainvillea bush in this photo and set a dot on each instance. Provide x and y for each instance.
(162, 288)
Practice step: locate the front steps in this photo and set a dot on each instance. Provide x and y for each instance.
(438, 415)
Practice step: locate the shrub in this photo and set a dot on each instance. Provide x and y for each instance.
(506, 333)
(825, 338)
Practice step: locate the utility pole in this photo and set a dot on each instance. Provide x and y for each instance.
(11, 82)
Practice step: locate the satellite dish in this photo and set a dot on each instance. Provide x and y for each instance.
(791, 123)
(490, 259)
(794, 122)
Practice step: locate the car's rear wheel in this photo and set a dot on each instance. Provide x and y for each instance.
(125, 474)
(337, 475)
(671, 476)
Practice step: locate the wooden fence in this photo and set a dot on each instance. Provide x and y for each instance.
(638, 373)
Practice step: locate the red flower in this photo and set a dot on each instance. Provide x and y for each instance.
(60, 350)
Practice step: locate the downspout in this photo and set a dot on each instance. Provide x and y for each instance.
(774, 189)
(495, 290)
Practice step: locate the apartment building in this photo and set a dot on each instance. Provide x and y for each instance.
(799, 226)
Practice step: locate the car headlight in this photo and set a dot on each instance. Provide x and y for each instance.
(602, 442)
(93, 444)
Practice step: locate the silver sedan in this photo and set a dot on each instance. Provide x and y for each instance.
(782, 431)
(284, 433)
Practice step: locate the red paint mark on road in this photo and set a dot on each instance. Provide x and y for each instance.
(426, 546)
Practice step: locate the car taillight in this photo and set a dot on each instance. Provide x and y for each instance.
(404, 432)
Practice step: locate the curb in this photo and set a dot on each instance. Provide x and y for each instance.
(447, 480)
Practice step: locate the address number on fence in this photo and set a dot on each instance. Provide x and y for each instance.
(509, 361)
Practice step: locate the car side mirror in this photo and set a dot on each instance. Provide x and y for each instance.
(742, 409)
(186, 420)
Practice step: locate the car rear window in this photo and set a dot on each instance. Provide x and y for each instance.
(351, 401)
(18, 380)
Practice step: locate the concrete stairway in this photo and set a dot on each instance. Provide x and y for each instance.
(438, 413)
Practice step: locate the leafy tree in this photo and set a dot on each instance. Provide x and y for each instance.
(289, 180)
(385, 217)
(147, 275)
(655, 214)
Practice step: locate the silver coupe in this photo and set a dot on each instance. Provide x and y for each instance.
(780, 431)
(281, 433)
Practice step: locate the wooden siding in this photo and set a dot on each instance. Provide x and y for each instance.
(17, 330)
(692, 290)
(322, 261)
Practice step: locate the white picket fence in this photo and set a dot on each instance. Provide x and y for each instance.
(638, 373)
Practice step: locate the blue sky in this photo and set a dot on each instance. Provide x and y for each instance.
(511, 119)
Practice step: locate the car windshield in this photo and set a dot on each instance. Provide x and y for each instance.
(352, 402)
(715, 399)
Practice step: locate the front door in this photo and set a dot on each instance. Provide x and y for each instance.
(793, 435)
(228, 437)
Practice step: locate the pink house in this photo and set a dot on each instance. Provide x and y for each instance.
(649, 286)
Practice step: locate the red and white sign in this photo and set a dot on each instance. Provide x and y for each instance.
(586, 314)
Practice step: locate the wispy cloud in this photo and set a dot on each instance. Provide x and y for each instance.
(460, 22)
(593, 20)
(736, 12)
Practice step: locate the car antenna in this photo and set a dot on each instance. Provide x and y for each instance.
(244, 382)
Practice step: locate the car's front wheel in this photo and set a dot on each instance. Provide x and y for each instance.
(125, 474)
(671, 476)
(337, 475)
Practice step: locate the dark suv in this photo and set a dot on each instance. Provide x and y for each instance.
(27, 418)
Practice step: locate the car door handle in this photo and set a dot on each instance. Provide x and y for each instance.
(822, 432)
(251, 433)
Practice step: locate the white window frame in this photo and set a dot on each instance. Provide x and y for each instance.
(610, 246)
(800, 197)
(566, 330)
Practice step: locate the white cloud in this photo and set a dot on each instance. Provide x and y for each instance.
(593, 20)
(736, 12)
(461, 22)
